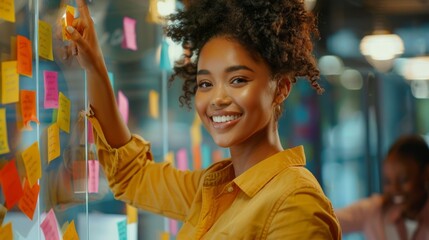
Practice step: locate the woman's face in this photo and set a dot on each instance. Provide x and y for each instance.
(404, 183)
(235, 93)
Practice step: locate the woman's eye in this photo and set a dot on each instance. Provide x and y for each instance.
(239, 80)
(204, 84)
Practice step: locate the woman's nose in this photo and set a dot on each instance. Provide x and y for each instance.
(220, 98)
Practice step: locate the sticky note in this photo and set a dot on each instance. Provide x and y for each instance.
(28, 107)
(70, 11)
(70, 233)
(32, 163)
(129, 41)
(11, 185)
(63, 118)
(154, 104)
(182, 159)
(49, 226)
(4, 145)
(172, 224)
(28, 202)
(123, 105)
(7, 10)
(9, 82)
(122, 229)
(164, 236)
(206, 157)
(132, 214)
(93, 176)
(153, 16)
(196, 134)
(45, 40)
(3, 211)
(196, 155)
(169, 157)
(6, 232)
(111, 79)
(164, 61)
(24, 55)
(54, 148)
(50, 80)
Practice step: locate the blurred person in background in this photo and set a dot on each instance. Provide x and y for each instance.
(402, 211)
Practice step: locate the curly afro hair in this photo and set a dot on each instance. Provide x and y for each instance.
(278, 31)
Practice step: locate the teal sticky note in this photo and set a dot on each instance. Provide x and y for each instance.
(164, 62)
(206, 156)
(112, 79)
(122, 229)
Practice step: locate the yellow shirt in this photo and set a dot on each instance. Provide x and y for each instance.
(275, 199)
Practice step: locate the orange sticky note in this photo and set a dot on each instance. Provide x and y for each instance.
(28, 202)
(164, 236)
(63, 118)
(54, 148)
(196, 154)
(24, 55)
(70, 233)
(9, 83)
(28, 107)
(4, 145)
(11, 185)
(32, 162)
(7, 10)
(69, 15)
(154, 104)
(45, 40)
(132, 214)
(6, 232)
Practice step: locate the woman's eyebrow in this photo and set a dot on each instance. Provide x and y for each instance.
(227, 70)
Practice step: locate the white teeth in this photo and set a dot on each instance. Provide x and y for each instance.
(222, 119)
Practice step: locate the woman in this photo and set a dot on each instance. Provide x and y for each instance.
(402, 212)
(247, 56)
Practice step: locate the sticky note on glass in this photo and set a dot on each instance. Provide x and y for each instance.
(129, 41)
(93, 176)
(24, 56)
(4, 145)
(164, 236)
(123, 106)
(7, 10)
(164, 62)
(6, 231)
(63, 118)
(172, 224)
(28, 107)
(196, 134)
(28, 202)
(169, 157)
(122, 229)
(9, 82)
(54, 148)
(132, 214)
(11, 185)
(70, 233)
(206, 156)
(45, 40)
(154, 104)
(50, 79)
(49, 226)
(32, 163)
(196, 155)
(182, 159)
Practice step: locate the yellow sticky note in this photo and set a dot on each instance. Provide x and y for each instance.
(6, 232)
(63, 118)
(9, 82)
(153, 104)
(196, 134)
(132, 214)
(45, 40)
(33, 165)
(7, 10)
(4, 146)
(169, 157)
(54, 149)
(70, 233)
(164, 236)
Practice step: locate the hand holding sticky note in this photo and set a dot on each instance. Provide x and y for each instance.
(68, 20)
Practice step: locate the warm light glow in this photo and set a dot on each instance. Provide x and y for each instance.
(416, 68)
(309, 4)
(382, 47)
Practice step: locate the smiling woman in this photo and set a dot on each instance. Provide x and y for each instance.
(248, 55)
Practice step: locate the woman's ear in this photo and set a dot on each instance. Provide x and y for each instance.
(284, 87)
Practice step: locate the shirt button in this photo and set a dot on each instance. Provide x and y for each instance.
(230, 189)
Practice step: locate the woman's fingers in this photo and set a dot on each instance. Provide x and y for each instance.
(83, 10)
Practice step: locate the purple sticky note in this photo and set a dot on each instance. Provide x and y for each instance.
(51, 89)
(173, 226)
(123, 105)
(182, 159)
(93, 173)
(129, 41)
(49, 226)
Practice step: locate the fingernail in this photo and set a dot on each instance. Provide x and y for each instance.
(70, 29)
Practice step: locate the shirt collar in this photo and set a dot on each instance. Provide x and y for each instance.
(269, 168)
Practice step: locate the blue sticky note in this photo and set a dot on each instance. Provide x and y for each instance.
(122, 229)
(206, 156)
(164, 62)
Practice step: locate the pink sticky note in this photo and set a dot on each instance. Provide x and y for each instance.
(129, 41)
(50, 226)
(173, 226)
(51, 89)
(93, 173)
(182, 159)
(123, 105)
